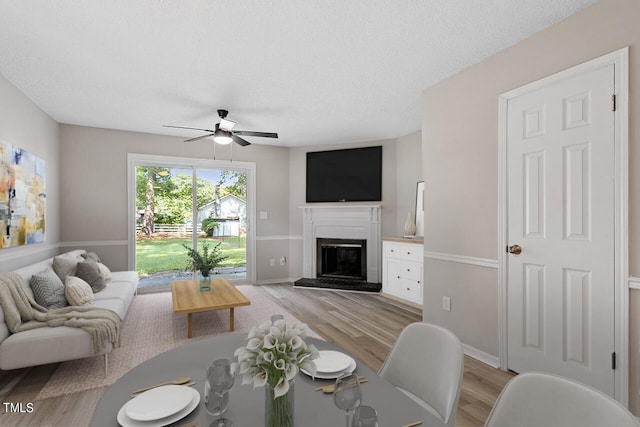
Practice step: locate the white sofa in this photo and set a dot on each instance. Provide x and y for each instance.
(56, 344)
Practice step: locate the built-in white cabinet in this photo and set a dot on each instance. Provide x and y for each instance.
(402, 268)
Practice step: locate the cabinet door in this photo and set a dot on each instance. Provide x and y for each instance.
(392, 274)
(411, 290)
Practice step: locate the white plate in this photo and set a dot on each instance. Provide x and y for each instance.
(125, 421)
(158, 403)
(333, 375)
(332, 361)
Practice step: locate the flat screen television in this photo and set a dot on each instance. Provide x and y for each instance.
(351, 175)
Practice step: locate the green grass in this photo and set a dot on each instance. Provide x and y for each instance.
(166, 254)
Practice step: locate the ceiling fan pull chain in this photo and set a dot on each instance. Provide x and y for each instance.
(214, 151)
(231, 161)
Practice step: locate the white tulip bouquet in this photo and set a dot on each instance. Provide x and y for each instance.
(273, 356)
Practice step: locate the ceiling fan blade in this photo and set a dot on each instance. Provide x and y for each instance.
(240, 141)
(251, 133)
(182, 127)
(199, 137)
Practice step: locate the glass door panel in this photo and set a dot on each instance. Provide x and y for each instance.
(164, 223)
(221, 216)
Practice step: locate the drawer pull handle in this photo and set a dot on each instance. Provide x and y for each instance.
(408, 253)
(398, 277)
(418, 281)
(408, 269)
(392, 250)
(408, 289)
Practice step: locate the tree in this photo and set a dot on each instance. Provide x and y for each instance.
(148, 179)
(236, 183)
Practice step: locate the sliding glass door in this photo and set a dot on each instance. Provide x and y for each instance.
(179, 203)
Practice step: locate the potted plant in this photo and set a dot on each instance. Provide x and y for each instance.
(203, 262)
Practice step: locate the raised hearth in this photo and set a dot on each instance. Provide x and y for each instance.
(341, 284)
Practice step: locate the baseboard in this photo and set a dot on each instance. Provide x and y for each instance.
(480, 355)
(275, 281)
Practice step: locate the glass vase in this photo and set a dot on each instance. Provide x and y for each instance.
(278, 412)
(205, 283)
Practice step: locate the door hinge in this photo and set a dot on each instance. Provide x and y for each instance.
(613, 102)
(613, 360)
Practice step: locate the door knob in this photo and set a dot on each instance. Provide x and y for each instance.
(515, 249)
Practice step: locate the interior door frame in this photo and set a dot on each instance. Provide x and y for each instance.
(620, 60)
(134, 160)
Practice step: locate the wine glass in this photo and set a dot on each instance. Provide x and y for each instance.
(347, 395)
(219, 381)
(365, 416)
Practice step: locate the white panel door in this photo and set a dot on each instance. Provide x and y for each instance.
(560, 161)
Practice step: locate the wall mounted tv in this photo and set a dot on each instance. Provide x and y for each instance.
(351, 175)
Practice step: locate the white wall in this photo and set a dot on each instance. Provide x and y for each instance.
(24, 124)
(460, 166)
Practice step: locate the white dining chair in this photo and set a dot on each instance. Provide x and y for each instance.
(535, 399)
(426, 363)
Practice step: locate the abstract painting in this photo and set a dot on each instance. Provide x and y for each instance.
(22, 197)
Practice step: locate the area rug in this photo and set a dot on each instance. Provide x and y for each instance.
(151, 328)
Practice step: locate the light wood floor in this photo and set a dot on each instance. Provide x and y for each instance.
(367, 326)
(364, 325)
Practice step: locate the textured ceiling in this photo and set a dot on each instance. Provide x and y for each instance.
(316, 72)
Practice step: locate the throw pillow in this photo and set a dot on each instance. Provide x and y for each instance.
(77, 291)
(105, 272)
(64, 265)
(89, 272)
(93, 256)
(48, 289)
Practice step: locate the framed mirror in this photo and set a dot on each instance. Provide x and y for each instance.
(420, 209)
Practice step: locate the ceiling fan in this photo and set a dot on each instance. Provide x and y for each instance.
(223, 133)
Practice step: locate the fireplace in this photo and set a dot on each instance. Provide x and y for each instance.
(342, 258)
(341, 247)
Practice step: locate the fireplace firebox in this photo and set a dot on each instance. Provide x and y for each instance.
(342, 259)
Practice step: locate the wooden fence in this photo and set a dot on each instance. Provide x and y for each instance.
(172, 228)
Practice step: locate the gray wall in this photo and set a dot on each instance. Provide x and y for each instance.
(408, 173)
(460, 164)
(401, 170)
(94, 178)
(23, 124)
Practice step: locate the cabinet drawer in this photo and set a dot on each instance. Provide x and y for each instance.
(406, 251)
(410, 270)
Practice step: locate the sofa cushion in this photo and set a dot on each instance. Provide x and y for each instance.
(77, 291)
(125, 276)
(64, 265)
(89, 272)
(48, 289)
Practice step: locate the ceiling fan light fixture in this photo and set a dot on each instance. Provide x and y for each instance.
(222, 137)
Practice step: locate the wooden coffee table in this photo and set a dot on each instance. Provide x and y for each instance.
(187, 298)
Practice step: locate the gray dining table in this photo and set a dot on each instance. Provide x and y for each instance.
(246, 404)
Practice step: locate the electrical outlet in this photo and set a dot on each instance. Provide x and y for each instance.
(283, 260)
(272, 262)
(446, 303)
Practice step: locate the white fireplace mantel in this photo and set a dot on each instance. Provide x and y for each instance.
(342, 222)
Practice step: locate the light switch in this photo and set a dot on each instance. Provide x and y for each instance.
(446, 303)
(264, 215)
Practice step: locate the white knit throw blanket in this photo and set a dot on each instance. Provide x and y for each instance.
(22, 313)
